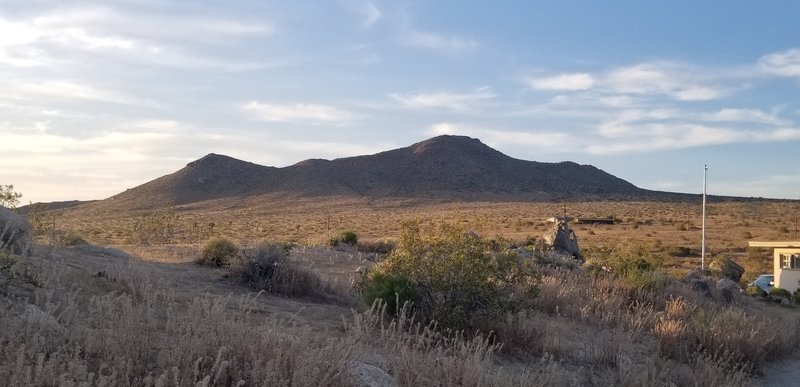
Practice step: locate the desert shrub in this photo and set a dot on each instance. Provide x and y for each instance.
(15, 232)
(779, 294)
(679, 251)
(456, 273)
(267, 267)
(347, 237)
(218, 252)
(377, 247)
(8, 197)
(159, 227)
(395, 291)
(755, 291)
(633, 263)
(13, 271)
(72, 238)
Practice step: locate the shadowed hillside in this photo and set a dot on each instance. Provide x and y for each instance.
(444, 167)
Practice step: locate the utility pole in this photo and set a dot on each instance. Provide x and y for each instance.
(703, 245)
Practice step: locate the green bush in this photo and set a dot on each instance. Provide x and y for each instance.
(779, 294)
(394, 290)
(453, 275)
(755, 291)
(218, 252)
(347, 237)
(634, 263)
(796, 296)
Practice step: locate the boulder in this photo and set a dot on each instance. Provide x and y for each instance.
(728, 269)
(701, 286)
(563, 239)
(729, 290)
(367, 375)
(696, 274)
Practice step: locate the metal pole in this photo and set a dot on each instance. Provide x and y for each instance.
(703, 246)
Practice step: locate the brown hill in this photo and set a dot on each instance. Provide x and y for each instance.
(444, 167)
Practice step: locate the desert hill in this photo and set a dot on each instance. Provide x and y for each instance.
(443, 167)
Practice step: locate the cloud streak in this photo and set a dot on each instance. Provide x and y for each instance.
(454, 101)
(300, 113)
(439, 42)
(563, 82)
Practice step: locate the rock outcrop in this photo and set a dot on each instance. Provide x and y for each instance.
(562, 239)
(728, 269)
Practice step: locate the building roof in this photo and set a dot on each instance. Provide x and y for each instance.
(777, 244)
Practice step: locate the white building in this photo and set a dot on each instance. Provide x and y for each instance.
(785, 261)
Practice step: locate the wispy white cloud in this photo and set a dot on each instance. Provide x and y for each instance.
(300, 113)
(745, 115)
(154, 39)
(371, 14)
(39, 91)
(439, 42)
(445, 99)
(674, 80)
(784, 63)
(563, 82)
(619, 137)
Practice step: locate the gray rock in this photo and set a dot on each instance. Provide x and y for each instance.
(728, 269)
(730, 290)
(701, 286)
(563, 239)
(366, 375)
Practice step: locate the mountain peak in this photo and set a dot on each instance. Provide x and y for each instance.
(450, 143)
(213, 160)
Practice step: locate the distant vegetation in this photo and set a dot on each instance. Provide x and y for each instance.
(450, 275)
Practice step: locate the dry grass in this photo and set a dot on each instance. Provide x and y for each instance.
(127, 327)
(665, 227)
(105, 318)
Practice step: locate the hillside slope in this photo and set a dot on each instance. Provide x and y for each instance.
(444, 167)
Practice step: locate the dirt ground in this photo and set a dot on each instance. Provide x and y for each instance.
(174, 267)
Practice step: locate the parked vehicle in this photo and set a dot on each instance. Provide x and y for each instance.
(764, 282)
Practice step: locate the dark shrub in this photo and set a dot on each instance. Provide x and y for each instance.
(347, 237)
(267, 267)
(778, 295)
(377, 247)
(218, 252)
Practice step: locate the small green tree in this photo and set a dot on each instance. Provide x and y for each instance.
(8, 197)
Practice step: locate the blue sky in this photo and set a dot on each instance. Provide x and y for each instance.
(102, 96)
